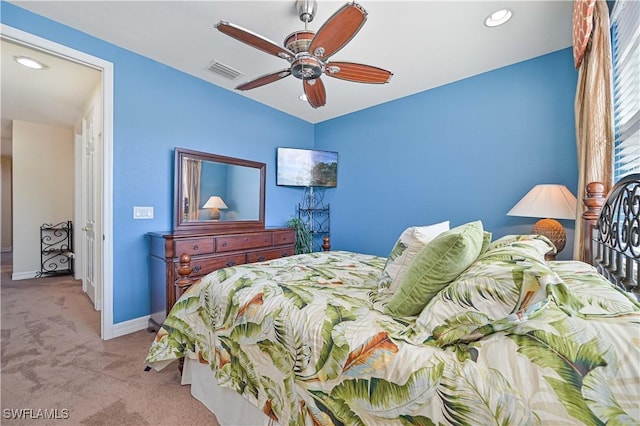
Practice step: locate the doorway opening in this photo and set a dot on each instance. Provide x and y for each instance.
(93, 153)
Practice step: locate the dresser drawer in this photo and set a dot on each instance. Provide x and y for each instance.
(284, 237)
(204, 266)
(243, 242)
(209, 251)
(262, 255)
(194, 246)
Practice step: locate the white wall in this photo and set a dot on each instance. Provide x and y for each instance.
(43, 186)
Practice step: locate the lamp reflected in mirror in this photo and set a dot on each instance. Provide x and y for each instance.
(214, 204)
(549, 202)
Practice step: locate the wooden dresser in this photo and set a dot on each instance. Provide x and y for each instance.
(209, 251)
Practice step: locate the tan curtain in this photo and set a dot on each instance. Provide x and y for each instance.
(192, 170)
(593, 106)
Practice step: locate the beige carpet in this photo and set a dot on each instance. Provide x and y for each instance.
(53, 359)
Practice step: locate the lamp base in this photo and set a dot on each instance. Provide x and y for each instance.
(554, 231)
(214, 214)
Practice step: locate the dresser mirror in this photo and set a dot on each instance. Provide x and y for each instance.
(217, 193)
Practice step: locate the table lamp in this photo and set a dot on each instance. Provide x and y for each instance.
(214, 203)
(548, 202)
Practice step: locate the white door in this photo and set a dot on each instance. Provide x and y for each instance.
(91, 245)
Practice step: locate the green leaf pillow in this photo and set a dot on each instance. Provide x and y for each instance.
(496, 285)
(408, 245)
(435, 266)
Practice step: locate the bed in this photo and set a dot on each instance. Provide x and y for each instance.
(451, 328)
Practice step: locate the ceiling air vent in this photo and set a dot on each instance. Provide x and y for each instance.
(223, 70)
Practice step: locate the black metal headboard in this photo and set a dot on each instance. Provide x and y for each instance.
(615, 238)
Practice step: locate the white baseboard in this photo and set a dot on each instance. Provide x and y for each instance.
(130, 326)
(23, 275)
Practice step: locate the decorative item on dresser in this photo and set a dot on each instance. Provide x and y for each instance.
(207, 252)
(214, 203)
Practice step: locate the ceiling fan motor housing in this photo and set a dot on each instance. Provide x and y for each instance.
(299, 41)
(306, 67)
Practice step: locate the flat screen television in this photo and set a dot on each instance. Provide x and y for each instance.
(306, 167)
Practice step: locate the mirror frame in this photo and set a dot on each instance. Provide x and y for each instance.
(180, 226)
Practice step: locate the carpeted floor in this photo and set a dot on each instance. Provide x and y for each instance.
(53, 359)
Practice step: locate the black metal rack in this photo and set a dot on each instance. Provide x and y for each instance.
(316, 215)
(56, 249)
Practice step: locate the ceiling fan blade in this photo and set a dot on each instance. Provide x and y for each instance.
(265, 79)
(338, 30)
(358, 72)
(316, 95)
(255, 40)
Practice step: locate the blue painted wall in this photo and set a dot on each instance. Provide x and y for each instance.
(460, 152)
(468, 150)
(157, 108)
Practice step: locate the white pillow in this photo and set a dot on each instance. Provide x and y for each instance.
(411, 241)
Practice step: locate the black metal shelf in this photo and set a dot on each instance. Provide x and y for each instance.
(56, 249)
(316, 215)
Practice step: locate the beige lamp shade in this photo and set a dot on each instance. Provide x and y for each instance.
(549, 202)
(215, 203)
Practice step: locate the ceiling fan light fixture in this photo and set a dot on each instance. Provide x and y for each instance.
(28, 62)
(498, 18)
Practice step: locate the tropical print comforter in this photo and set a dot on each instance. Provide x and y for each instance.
(513, 341)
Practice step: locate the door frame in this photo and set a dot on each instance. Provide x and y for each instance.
(106, 201)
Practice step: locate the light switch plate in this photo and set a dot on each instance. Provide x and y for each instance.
(142, 212)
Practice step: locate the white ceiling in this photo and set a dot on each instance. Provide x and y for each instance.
(54, 96)
(424, 43)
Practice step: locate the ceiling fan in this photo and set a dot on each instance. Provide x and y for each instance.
(308, 52)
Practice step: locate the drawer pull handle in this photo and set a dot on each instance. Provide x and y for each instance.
(224, 244)
(195, 247)
(285, 254)
(260, 258)
(231, 263)
(197, 268)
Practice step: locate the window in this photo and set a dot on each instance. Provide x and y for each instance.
(625, 45)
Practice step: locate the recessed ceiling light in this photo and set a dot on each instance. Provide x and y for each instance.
(29, 62)
(498, 17)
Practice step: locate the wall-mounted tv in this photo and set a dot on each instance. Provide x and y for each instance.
(306, 167)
